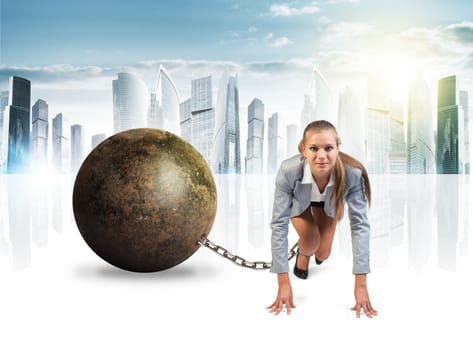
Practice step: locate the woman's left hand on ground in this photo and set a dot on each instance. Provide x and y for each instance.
(363, 303)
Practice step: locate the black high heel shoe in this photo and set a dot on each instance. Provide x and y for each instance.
(303, 274)
(317, 261)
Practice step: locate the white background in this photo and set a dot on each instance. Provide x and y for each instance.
(55, 293)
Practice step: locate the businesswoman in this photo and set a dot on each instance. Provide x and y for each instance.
(311, 191)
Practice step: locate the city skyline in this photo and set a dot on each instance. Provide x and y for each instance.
(386, 148)
(272, 46)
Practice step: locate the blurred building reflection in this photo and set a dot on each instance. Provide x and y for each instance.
(255, 206)
(40, 211)
(448, 212)
(420, 223)
(19, 217)
(431, 231)
(227, 221)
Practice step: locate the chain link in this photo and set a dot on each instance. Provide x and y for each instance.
(255, 265)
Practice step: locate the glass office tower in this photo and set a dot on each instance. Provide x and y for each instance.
(3, 131)
(276, 149)
(61, 144)
(350, 119)
(40, 135)
(466, 127)
(77, 147)
(254, 144)
(165, 108)
(186, 120)
(420, 134)
(226, 147)
(318, 101)
(17, 116)
(202, 116)
(450, 137)
(377, 126)
(130, 102)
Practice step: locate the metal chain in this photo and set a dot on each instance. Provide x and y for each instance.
(255, 265)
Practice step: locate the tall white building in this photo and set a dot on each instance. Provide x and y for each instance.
(153, 112)
(276, 146)
(226, 156)
(17, 122)
(96, 140)
(351, 126)
(377, 126)
(61, 144)
(202, 116)
(420, 130)
(39, 135)
(292, 140)
(186, 120)
(77, 147)
(450, 128)
(3, 133)
(318, 101)
(130, 102)
(397, 145)
(255, 142)
(466, 130)
(165, 108)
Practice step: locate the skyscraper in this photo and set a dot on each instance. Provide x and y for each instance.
(130, 102)
(40, 135)
(351, 126)
(186, 120)
(254, 144)
(466, 127)
(3, 102)
(420, 134)
(318, 101)
(77, 147)
(377, 126)
(226, 147)
(202, 116)
(165, 115)
(153, 112)
(96, 139)
(397, 145)
(61, 147)
(18, 119)
(275, 143)
(292, 140)
(3, 131)
(449, 128)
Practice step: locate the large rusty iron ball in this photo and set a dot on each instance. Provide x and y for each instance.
(143, 198)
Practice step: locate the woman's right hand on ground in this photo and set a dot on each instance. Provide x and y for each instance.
(284, 297)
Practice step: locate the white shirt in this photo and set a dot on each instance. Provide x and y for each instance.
(316, 196)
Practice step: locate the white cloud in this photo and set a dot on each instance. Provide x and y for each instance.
(336, 2)
(324, 20)
(286, 10)
(252, 29)
(341, 31)
(282, 41)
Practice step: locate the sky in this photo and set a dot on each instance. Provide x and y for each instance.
(72, 50)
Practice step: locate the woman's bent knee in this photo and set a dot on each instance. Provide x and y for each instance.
(323, 254)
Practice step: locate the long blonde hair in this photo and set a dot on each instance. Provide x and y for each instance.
(338, 171)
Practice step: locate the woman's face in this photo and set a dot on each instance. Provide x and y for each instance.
(321, 151)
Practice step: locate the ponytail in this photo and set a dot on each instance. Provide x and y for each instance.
(339, 179)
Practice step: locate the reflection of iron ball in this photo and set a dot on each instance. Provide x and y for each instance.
(143, 198)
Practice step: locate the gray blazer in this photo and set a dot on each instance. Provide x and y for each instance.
(292, 198)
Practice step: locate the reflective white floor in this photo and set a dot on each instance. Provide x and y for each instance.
(55, 293)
